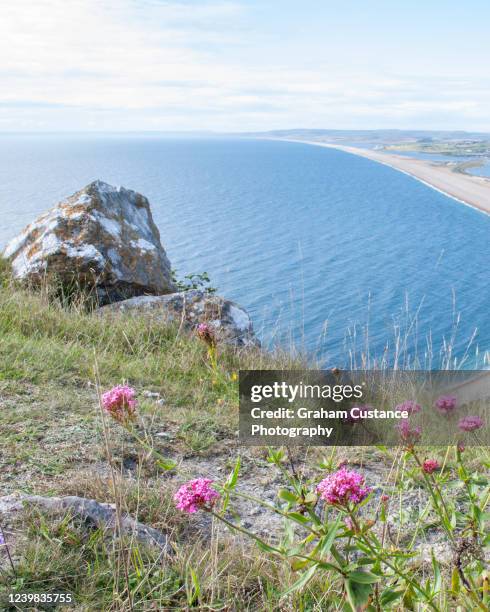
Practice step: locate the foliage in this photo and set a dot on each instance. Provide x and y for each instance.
(195, 281)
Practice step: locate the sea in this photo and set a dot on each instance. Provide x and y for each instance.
(337, 258)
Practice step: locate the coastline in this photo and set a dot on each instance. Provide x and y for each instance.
(470, 190)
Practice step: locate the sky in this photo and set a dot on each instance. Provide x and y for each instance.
(218, 65)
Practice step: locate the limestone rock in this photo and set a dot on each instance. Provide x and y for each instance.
(103, 237)
(91, 512)
(229, 321)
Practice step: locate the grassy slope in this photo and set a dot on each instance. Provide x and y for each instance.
(51, 442)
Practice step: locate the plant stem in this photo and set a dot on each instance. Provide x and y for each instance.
(9, 556)
(402, 575)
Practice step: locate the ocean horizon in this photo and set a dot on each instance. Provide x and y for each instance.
(332, 255)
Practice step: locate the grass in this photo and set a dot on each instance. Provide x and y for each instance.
(52, 442)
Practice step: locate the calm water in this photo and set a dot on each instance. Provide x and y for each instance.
(483, 170)
(313, 241)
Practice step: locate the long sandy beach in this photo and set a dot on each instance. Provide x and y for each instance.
(471, 190)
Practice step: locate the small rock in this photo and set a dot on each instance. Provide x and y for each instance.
(230, 323)
(151, 394)
(90, 512)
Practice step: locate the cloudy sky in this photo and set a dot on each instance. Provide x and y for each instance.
(244, 65)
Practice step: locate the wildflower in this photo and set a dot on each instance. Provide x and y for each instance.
(360, 414)
(430, 465)
(409, 406)
(342, 487)
(206, 333)
(349, 419)
(120, 403)
(470, 423)
(385, 499)
(445, 404)
(196, 494)
(2, 540)
(460, 447)
(409, 433)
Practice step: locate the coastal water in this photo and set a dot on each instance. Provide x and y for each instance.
(483, 170)
(322, 247)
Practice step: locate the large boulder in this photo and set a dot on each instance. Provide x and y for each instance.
(230, 323)
(103, 237)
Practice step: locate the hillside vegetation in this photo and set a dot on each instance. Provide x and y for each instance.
(56, 358)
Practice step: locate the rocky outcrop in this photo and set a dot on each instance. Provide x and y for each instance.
(230, 323)
(102, 237)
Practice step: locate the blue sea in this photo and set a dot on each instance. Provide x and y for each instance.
(332, 254)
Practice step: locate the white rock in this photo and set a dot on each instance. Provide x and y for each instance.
(230, 322)
(102, 236)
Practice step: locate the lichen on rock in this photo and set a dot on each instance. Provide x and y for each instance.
(229, 321)
(103, 237)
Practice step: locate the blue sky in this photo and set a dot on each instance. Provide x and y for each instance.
(250, 65)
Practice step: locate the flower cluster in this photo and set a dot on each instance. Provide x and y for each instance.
(342, 487)
(470, 423)
(120, 403)
(430, 466)
(446, 404)
(409, 406)
(409, 433)
(206, 333)
(196, 494)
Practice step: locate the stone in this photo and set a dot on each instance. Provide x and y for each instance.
(102, 237)
(91, 512)
(230, 322)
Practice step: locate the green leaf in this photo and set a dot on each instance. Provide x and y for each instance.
(233, 477)
(310, 498)
(390, 595)
(363, 577)
(455, 582)
(302, 580)
(298, 518)
(287, 496)
(166, 464)
(265, 547)
(275, 456)
(437, 580)
(357, 594)
(299, 564)
(327, 541)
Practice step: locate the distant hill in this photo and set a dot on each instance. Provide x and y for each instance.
(381, 136)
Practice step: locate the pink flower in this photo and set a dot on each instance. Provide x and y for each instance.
(409, 433)
(342, 487)
(120, 403)
(409, 406)
(385, 499)
(445, 404)
(460, 446)
(196, 494)
(470, 423)
(206, 333)
(430, 466)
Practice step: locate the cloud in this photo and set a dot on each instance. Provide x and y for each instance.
(148, 64)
